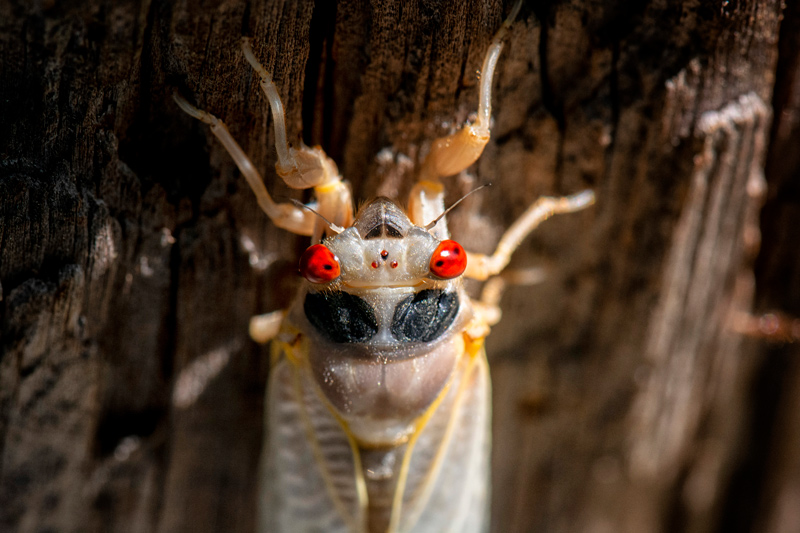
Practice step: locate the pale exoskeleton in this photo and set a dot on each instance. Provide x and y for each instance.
(378, 411)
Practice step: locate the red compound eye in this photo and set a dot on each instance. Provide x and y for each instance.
(319, 265)
(449, 260)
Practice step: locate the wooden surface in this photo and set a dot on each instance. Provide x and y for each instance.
(132, 253)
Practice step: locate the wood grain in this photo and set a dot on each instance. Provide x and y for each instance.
(132, 254)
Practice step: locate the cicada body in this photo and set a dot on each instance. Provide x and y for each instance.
(378, 403)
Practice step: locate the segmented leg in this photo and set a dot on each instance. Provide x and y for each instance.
(481, 266)
(486, 311)
(301, 168)
(286, 216)
(264, 328)
(454, 153)
(305, 167)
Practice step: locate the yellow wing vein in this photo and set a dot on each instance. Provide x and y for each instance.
(318, 455)
(473, 349)
(422, 421)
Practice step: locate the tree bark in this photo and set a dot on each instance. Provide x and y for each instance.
(132, 253)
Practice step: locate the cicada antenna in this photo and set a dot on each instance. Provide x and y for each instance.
(331, 226)
(437, 219)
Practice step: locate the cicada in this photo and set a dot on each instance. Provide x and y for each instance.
(378, 404)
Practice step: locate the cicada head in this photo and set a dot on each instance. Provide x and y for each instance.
(383, 249)
(384, 290)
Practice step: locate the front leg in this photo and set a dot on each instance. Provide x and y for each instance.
(454, 153)
(305, 167)
(451, 154)
(286, 216)
(302, 168)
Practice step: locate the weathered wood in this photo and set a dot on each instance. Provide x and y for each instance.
(132, 253)
(770, 475)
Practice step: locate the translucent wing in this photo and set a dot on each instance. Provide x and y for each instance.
(448, 481)
(313, 479)
(307, 479)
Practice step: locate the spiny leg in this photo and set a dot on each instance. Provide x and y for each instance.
(481, 266)
(486, 310)
(286, 216)
(454, 153)
(304, 167)
(451, 154)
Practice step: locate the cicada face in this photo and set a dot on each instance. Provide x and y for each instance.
(381, 329)
(383, 249)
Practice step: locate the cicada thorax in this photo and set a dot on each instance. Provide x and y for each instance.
(383, 330)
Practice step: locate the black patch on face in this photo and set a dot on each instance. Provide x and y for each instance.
(381, 218)
(384, 230)
(424, 316)
(340, 316)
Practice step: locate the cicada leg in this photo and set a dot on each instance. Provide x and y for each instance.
(454, 153)
(482, 267)
(305, 167)
(486, 310)
(264, 328)
(287, 216)
(301, 168)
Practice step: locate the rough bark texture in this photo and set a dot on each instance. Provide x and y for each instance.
(132, 253)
